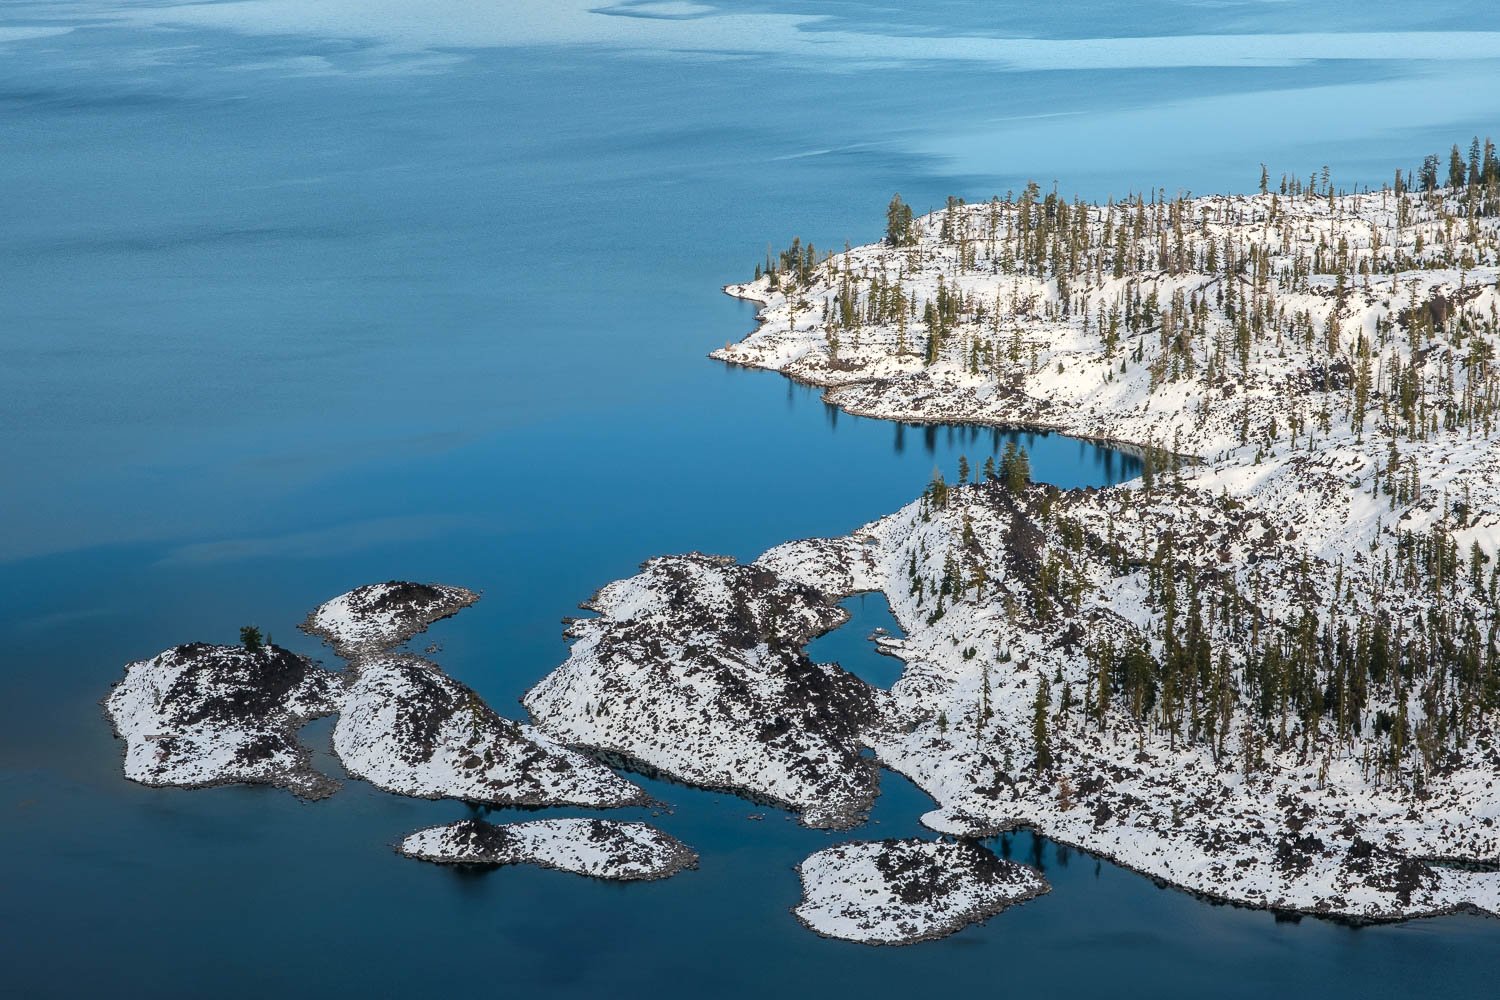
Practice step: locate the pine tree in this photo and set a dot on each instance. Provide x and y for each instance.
(898, 227)
(1039, 724)
(1015, 469)
(1458, 171)
(1429, 175)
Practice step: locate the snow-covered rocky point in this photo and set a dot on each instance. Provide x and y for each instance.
(695, 668)
(405, 726)
(905, 891)
(606, 849)
(199, 715)
(381, 616)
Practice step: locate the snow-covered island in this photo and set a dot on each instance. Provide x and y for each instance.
(598, 848)
(201, 715)
(381, 616)
(905, 891)
(1266, 670)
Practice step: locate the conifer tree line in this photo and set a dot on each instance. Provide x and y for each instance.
(1193, 291)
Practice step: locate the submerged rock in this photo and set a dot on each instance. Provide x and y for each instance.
(594, 847)
(198, 715)
(407, 727)
(904, 891)
(695, 668)
(379, 616)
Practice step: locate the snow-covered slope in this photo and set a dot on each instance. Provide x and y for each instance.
(904, 891)
(407, 727)
(695, 668)
(595, 847)
(1199, 792)
(1206, 326)
(199, 715)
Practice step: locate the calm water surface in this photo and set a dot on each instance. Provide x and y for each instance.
(298, 296)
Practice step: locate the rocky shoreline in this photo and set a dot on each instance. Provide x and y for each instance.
(1267, 672)
(200, 716)
(696, 668)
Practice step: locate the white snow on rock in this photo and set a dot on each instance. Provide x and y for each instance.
(607, 849)
(695, 667)
(199, 715)
(904, 891)
(407, 727)
(380, 616)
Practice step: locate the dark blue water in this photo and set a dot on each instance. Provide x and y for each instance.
(297, 296)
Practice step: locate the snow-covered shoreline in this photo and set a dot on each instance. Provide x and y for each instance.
(200, 716)
(381, 616)
(407, 727)
(1266, 672)
(1265, 675)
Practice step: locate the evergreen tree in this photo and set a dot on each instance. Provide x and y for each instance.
(898, 227)
(1429, 174)
(1458, 171)
(250, 637)
(1039, 723)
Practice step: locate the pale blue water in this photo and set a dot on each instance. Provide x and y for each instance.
(286, 307)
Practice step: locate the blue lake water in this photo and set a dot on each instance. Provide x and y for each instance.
(298, 296)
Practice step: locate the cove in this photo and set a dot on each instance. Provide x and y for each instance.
(852, 644)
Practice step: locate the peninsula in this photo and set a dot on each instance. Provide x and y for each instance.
(1266, 670)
